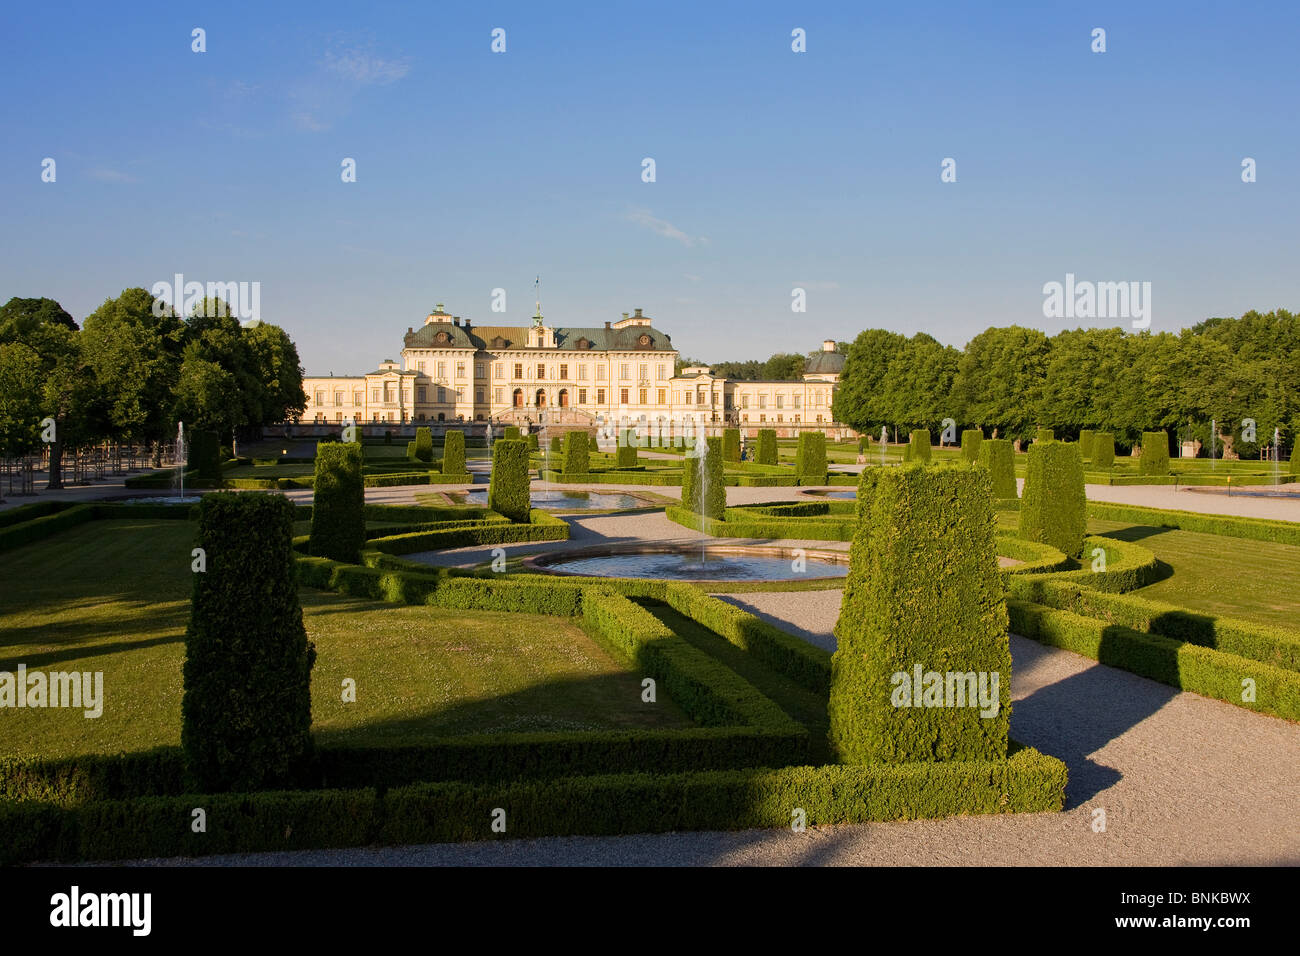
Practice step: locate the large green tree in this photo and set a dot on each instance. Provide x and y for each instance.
(917, 387)
(858, 399)
(999, 380)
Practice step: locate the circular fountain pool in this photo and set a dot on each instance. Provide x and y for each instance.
(689, 563)
(569, 500)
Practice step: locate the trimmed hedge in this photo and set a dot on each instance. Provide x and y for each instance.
(971, 439)
(534, 443)
(577, 453)
(767, 446)
(923, 592)
(810, 456)
(1045, 435)
(556, 444)
(511, 433)
(740, 523)
(919, 445)
(999, 457)
(203, 456)
(907, 453)
(246, 708)
(710, 498)
(424, 444)
(1255, 529)
(1177, 663)
(338, 523)
(1027, 782)
(539, 526)
(410, 450)
(509, 485)
(1155, 454)
(1054, 507)
(626, 456)
(1103, 450)
(731, 444)
(1085, 443)
(453, 453)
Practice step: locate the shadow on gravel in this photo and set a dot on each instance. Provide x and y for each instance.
(1075, 717)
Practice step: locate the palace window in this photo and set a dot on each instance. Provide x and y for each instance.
(388, 392)
(641, 396)
(519, 370)
(374, 396)
(358, 396)
(689, 396)
(541, 371)
(478, 396)
(600, 373)
(320, 398)
(642, 372)
(762, 402)
(582, 372)
(442, 395)
(460, 369)
(480, 370)
(798, 401)
(600, 396)
(498, 395)
(661, 376)
(421, 394)
(780, 401)
(744, 402)
(406, 396)
(622, 395)
(819, 418)
(442, 370)
(796, 419)
(419, 366)
(661, 394)
(564, 372)
(338, 396)
(582, 396)
(624, 372)
(498, 370)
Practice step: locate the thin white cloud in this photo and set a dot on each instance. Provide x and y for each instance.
(105, 175)
(364, 68)
(661, 227)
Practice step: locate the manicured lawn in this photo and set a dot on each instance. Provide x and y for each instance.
(1237, 577)
(113, 596)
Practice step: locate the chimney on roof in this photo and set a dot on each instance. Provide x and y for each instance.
(828, 345)
(638, 313)
(607, 324)
(467, 323)
(455, 319)
(409, 330)
(625, 315)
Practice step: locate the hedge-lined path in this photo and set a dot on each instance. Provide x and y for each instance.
(1183, 780)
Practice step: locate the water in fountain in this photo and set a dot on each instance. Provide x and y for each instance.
(178, 479)
(702, 482)
(1277, 440)
(1214, 432)
(884, 442)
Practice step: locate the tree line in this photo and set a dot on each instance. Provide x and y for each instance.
(1015, 379)
(780, 367)
(133, 369)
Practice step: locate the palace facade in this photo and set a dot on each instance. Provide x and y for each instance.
(453, 371)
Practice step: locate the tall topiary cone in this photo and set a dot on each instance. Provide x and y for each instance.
(1155, 454)
(1103, 451)
(711, 500)
(1085, 444)
(1054, 508)
(920, 442)
(767, 446)
(453, 452)
(338, 513)
(924, 595)
(997, 455)
(971, 439)
(246, 708)
(810, 456)
(508, 488)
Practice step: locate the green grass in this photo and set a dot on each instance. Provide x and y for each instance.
(1235, 577)
(113, 596)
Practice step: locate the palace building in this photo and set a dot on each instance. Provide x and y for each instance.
(453, 371)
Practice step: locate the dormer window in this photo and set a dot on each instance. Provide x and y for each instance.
(643, 341)
(583, 343)
(498, 342)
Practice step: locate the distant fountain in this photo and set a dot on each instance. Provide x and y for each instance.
(702, 483)
(1214, 434)
(488, 434)
(178, 478)
(1277, 461)
(884, 442)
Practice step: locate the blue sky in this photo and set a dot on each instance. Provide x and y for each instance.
(820, 170)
